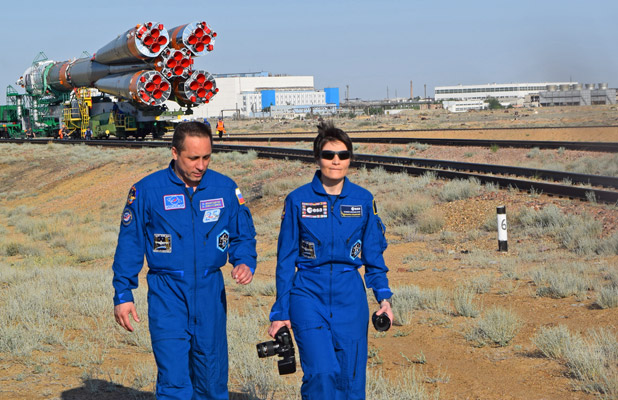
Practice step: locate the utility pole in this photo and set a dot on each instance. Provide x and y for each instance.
(387, 92)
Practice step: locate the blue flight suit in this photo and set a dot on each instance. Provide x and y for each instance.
(187, 236)
(323, 241)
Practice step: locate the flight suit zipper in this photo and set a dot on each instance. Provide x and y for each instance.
(190, 196)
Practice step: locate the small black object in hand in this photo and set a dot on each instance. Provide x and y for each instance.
(381, 322)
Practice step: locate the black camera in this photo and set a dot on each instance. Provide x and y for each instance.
(283, 346)
(381, 322)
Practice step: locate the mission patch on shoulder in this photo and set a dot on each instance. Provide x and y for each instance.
(132, 195)
(375, 207)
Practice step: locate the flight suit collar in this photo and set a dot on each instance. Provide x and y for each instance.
(316, 185)
(176, 180)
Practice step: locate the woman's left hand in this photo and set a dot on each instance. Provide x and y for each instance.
(385, 307)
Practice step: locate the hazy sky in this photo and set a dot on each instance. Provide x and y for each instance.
(368, 45)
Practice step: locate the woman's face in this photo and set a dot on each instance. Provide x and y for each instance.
(335, 169)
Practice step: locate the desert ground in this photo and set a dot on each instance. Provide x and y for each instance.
(536, 322)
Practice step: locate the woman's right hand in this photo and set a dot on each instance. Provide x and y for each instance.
(276, 325)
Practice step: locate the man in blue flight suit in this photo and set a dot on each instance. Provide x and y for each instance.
(187, 220)
(326, 236)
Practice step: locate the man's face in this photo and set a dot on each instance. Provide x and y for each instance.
(192, 162)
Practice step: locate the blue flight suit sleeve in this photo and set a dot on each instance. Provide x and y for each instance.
(242, 237)
(287, 252)
(374, 244)
(129, 257)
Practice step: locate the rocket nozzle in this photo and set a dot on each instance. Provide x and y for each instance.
(197, 89)
(197, 37)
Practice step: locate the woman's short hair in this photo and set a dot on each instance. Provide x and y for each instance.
(327, 132)
(192, 128)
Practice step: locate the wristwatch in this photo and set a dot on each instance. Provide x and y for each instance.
(389, 300)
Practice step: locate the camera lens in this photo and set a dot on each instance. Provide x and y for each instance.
(266, 349)
(381, 322)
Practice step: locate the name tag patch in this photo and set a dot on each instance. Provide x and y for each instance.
(211, 215)
(307, 249)
(211, 203)
(315, 210)
(351, 211)
(174, 202)
(162, 243)
(355, 250)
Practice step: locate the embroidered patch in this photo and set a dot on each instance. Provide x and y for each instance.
(241, 200)
(315, 210)
(283, 212)
(211, 215)
(223, 240)
(174, 202)
(132, 195)
(307, 249)
(355, 250)
(162, 243)
(211, 203)
(127, 217)
(375, 207)
(351, 211)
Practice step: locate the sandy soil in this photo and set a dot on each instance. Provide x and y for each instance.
(454, 367)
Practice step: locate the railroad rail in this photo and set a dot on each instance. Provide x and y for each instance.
(610, 147)
(579, 186)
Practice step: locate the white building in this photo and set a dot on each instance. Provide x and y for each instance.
(464, 105)
(501, 91)
(249, 93)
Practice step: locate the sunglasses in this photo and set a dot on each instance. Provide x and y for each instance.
(329, 154)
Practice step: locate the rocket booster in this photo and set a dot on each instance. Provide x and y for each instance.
(144, 65)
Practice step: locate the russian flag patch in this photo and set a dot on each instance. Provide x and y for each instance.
(241, 200)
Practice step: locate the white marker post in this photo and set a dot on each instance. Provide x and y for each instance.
(502, 237)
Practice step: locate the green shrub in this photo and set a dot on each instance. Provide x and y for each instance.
(497, 327)
(463, 299)
(458, 189)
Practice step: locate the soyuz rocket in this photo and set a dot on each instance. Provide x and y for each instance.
(146, 65)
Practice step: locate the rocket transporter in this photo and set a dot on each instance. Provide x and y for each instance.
(142, 68)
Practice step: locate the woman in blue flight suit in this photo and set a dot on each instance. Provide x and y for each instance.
(329, 229)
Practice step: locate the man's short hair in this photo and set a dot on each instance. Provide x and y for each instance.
(327, 132)
(192, 128)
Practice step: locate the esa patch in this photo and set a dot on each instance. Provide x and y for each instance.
(241, 200)
(351, 211)
(355, 250)
(315, 210)
(174, 202)
(375, 207)
(223, 239)
(307, 249)
(211, 203)
(132, 195)
(211, 215)
(127, 217)
(162, 243)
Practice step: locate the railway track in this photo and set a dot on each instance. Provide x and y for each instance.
(555, 183)
(611, 147)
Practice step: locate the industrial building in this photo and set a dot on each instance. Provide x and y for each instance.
(262, 94)
(577, 95)
(501, 91)
(462, 98)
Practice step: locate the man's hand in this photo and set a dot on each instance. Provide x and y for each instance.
(242, 274)
(122, 311)
(276, 325)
